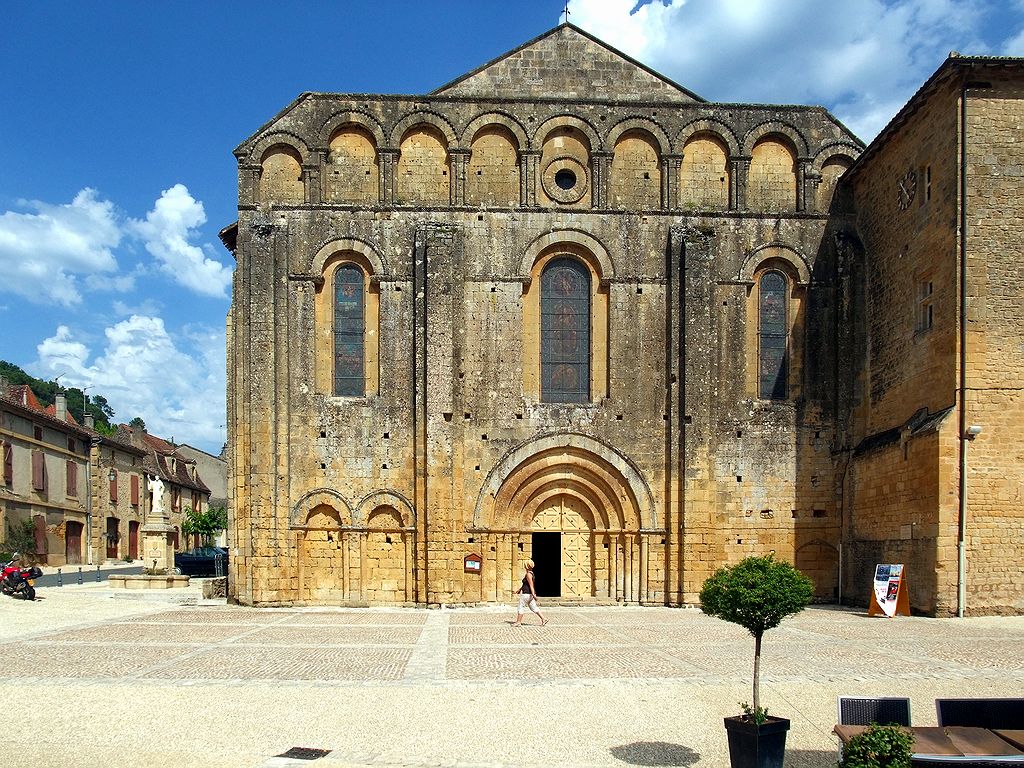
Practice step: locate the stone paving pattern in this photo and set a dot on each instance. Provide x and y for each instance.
(159, 684)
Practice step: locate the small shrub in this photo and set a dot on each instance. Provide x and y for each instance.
(21, 538)
(880, 746)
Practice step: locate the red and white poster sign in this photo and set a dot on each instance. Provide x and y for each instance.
(890, 591)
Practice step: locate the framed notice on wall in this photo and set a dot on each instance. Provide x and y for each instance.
(890, 594)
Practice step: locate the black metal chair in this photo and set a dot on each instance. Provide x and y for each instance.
(864, 710)
(981, 713)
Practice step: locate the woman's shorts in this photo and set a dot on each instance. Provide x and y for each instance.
(526, 600)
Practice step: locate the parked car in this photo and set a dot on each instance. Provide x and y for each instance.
(200, 561)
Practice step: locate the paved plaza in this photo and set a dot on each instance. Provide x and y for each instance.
(101, 678)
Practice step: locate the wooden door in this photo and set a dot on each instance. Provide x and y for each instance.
(73, 543)
(111, 538)
(568, 516)
(133, 539)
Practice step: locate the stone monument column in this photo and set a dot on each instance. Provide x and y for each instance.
(157, 531)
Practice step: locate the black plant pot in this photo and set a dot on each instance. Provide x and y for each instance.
(756, 746)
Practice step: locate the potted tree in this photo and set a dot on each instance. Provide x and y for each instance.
(757, 593)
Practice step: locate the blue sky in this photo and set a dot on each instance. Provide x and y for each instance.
(117, 121)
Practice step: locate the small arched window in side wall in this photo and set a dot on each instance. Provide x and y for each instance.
(773, 336)
(349, 332)
(565, 332)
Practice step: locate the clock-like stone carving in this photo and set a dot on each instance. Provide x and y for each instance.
(906, 188)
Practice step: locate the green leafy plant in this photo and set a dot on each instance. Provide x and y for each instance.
(757, 593)
(206, 524)
(21, 539)
(880, 746)
(758, 715)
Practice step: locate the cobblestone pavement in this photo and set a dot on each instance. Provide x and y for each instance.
(148, 683)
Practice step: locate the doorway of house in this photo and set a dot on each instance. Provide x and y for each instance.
(547, 564)
(133, 539)
(73, 543)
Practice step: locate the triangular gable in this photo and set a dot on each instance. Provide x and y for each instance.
(567, 63)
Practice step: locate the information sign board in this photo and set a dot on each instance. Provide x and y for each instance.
(889, 596)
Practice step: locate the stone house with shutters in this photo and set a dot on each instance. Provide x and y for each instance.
(565, 309)
(45, 481)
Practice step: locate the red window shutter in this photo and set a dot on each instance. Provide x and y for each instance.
(72, 478)
(113, 487)
(135, 490)
(38, 471)
(8, 464)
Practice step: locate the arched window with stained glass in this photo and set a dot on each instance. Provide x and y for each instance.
(565, 332)
(773, 336)
(349, 332)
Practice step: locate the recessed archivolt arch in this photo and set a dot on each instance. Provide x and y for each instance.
(841, 149)
(777, 128)
(561, 236)
(386, 498)
(718, 129)
(352, 117)
(530, 467)
(495, 118)
(327, 497)
(551, 490)
(567, 121)
(775, 250)
(643, 124)
(423, 118)
(279, 138)
(529, 493)
(361, 247)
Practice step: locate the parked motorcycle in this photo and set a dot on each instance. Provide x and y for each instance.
(16, 581)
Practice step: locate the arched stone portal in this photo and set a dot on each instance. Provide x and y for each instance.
(580, 510)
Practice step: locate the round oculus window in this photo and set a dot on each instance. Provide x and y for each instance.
(564, 179)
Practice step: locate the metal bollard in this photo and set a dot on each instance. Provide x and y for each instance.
(97, 573)
(79, 574)
(60, 579)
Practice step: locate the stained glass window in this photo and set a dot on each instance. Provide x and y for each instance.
(565, 332)
(349, 332)
(773, 333)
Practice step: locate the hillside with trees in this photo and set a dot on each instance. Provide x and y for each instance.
(46, 391)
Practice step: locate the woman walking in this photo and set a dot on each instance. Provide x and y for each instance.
(528, 597)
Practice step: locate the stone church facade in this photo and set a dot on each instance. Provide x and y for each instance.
(564, 309)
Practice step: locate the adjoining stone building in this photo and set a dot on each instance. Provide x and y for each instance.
(564, 308)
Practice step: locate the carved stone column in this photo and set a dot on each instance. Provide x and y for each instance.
(529, 159)
(388, 164)
(311, 171)
(739, 170)
(459, 160)
(600, 176)
(671, 165)
(802, 166)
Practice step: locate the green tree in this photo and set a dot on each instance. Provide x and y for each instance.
(137, 423)
(757, 593)
(206, 524)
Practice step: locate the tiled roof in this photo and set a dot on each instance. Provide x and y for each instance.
(21, 396)
(163, 460)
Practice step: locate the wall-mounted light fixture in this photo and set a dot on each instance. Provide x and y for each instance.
(113, 475)
(972, 431)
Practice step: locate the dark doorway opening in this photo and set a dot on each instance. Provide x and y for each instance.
(547, 564)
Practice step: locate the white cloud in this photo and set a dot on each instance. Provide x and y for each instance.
(166, 232)
(176, 383)
(43, 253)
(862, 58)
